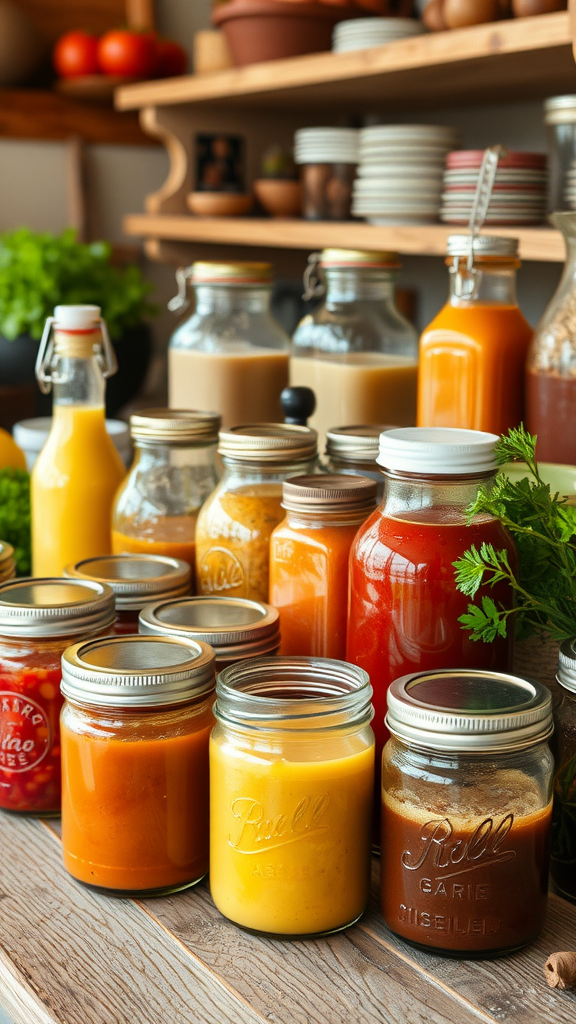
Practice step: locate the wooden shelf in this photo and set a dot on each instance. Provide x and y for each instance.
(521, 58)
(42, 114)
(422, 240)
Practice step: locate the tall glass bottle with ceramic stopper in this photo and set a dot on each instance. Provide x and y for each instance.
(79, 470)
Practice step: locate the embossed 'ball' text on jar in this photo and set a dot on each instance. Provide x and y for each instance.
(466, 811)
(291, 776)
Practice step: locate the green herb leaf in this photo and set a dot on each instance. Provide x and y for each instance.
(15, 516)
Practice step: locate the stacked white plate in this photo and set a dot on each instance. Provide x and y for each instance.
(570, 190)
(362, 33)
(326, 146)
(518, 196)
(401, 173)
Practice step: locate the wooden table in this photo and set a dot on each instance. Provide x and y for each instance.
(71, 956)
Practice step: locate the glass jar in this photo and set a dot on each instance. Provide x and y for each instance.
(309, 556)
(473, 354)
(235, 628)
(173, 472)
(356, 351)
(291, 776)
(563, 863)
(236, 522)
(404, 606)
(135, 730)
(39, 619)
(560, 120)
(137, 581)
(230, 355)
(466, 811)
(7, 562)
(551, 365)
(354, 450)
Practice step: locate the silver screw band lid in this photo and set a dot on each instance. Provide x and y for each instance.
(234, 626)
(137, 580)
(268, 443)
(175, 426)
(54, 607)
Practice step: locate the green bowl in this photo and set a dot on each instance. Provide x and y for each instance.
(561, 478)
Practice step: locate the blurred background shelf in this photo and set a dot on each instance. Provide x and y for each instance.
(43, 114)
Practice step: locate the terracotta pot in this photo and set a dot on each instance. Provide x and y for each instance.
(258, 30)
(280, 198)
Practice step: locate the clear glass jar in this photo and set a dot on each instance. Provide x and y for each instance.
(551, 364)
(466, 811)
(473, 354)
(236, 522)
(291, 776)
(356, 351)
(404, 606)
(235, 628)
(135, 794)
(309, 558)
(137, 581)
(354, 450)
(174, 470)
(231, 355)
(560, 120)
(563, 863)
(39, 619)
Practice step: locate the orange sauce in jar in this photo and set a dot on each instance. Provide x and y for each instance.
(309, 556)
(173, 536)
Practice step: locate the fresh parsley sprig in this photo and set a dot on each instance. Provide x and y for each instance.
(544, 528)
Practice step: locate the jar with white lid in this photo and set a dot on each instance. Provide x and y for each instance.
(137, 581)
(235, 628)
(230, 355)
(135, 730)
(174, 470)
(466, 811)
(39, 619)
(236, 522)
(291, 777)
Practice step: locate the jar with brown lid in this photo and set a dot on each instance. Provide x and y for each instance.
(236, 522)
(7, 562)
(235, 627)
(137, 582)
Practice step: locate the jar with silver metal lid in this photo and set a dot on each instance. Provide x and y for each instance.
(291, 777)
(466, 811)
(235, 523)
(39, 619)
(137, 581)
(7, 562)
(135, 727)
(354, 450)
(235, 627)
(563, 861)
(174, 471)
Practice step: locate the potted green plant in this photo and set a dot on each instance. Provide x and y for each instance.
(40, 271)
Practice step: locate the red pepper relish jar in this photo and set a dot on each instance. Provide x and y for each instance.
(137, 581)
(39, 619)
(404, 606)
(466, 811)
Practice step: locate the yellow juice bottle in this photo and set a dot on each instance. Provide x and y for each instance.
(79, 470)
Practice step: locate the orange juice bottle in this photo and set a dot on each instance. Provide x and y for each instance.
(473, 354)
(79, 470)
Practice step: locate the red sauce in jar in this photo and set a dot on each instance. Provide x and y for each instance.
(469, 883)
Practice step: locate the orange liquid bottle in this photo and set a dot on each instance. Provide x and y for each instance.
(473, 354)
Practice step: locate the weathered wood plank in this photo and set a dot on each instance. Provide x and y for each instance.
(71, 956)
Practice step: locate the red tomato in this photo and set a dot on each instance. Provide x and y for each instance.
(76, 53)
(172, 59)
(127, 53)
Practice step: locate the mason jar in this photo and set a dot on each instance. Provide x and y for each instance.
(235, 627)
(236, 522)
(563, 863)
(135, 729)
(354, 450)
(39, 619)
(291, 776)
(137, 581)
(466, 811)
(174, 471)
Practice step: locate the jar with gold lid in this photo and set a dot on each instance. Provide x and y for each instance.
(39, 619)
(236, 522)
(235, 627)
(137, 581)
(230, 355)
(173, 472)
(135, 730)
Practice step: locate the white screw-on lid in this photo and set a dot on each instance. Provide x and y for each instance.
(437, 451)
(77, 318)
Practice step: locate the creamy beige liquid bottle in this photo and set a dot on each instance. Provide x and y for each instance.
(230, 357)
(356, 351)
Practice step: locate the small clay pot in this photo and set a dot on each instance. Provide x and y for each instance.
(527, 8)
(433, 16)
(460, 13)
(279, 197)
